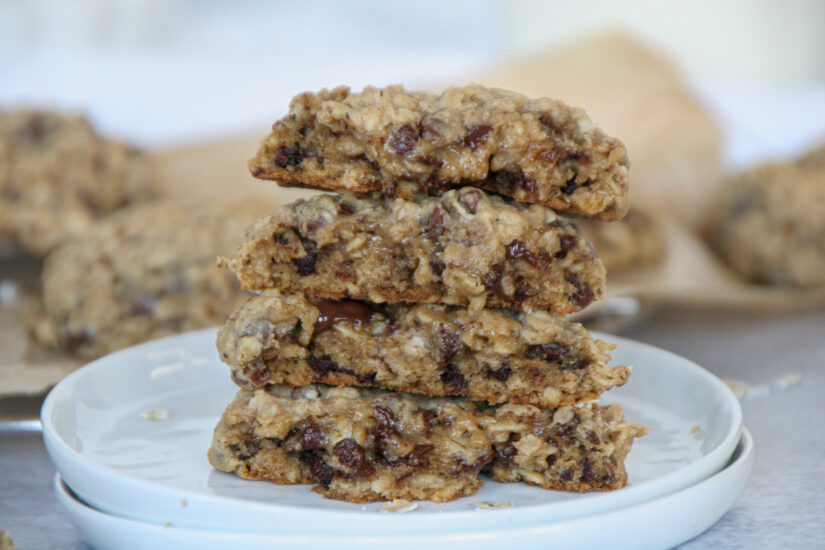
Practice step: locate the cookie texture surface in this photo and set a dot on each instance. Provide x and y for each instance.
(145, 272)
(404, 143)
(57, 176)
(464, 248)
(632, 242)
(365, 445)
(491, 355)
(771, 228)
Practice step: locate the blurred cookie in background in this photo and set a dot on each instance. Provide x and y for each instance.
(145, 272)
(632, 242)
(813, 159)
(57, 176)
(770, 227)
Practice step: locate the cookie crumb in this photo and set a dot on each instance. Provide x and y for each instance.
(487, 505)
(738, 387)
(788, 380)
(695, 429)
(760, 390)
(156, 414)
(165, 369)
(168, 524)
(399, 506)
(184, 502)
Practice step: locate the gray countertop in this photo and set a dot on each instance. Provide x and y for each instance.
(782, 506)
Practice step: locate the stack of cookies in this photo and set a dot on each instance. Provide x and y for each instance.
(409, 333)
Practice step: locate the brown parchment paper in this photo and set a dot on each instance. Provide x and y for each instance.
(627, 88)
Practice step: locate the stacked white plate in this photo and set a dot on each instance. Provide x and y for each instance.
(128, 434)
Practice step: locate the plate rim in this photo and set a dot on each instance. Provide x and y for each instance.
(73, 464)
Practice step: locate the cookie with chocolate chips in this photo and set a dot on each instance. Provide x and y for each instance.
(145, 272)
(498, 356)
(57, 176)
(464, 248)
(405, 143)
(771, 227)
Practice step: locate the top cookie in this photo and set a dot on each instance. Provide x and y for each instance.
(57, 176)
(404, 143)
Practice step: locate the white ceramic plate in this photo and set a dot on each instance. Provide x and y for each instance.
(156, 471)
(659, 523)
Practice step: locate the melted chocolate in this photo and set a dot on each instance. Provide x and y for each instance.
(334, 312)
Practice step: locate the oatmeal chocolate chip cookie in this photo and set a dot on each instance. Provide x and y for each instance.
(634, 241)
(491, 355)
(404, 143)
(145, 272)
(771, 228)
(57, 176)
(365, 445)
(463, 248)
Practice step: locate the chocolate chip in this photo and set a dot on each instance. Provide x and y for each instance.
(477, 135)
(71, 342)
(584, 295)
(253, 446)
(566, 244)
(430, 128)
(306, 265)
(418, 456)
(566, 474)
(312, 438)
(429, 418)
(519, 296)
(143, 303)
(546, 120)
(469, 198)
(593, 438)
(502, 374)
(516, 249)
(322, 471)
(322, 366)
(352, 455)
(315, 224)
(449, 345)
(434, 187)
(507, 182)
(437, 266)
(493, 278)
(330, 313)
(385, 418)
(429, 161)
(570, 186)
(281, 238)
(453, 379)
(551, 459)
(479, 462)
(346, 209)
(403, 140)
(587, 471)
(34, 130)
(434, 224)
(558, 353)
(564, 430)
(289, 156)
